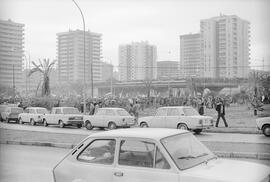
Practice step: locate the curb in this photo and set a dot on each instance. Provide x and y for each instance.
(258, 156)
(232, 131)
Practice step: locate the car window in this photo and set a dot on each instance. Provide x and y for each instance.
(136, 153)
(190, 112)
(58, 111)
(161, 112)
(109, 112)
(26, 111)
(122, 113)
(31, 110)
(173, 112)
(101, 112)
(16, 110)
(161, 162)
(99, 152)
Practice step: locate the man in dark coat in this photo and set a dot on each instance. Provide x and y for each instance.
(220, 108)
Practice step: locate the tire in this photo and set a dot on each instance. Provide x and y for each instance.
(45, 124)
(88, 125)
(61, 124)
(79, 125)
(20, 121)
(112, 126)
(182, 126)
(144, 125)
(197, 131)
(266, 130)
(32, 122)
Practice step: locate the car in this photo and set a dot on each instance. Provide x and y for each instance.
(151, 154)
(181, 117)
(3, 108)
(11, 113)
(63, 116)
(264, 125)
(32, 115)
(110, 118)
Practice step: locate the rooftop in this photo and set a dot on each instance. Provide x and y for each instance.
(150, 133)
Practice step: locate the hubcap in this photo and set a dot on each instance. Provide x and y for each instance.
(267, 131)
(112, 126)
(89, 126)
(183, 127)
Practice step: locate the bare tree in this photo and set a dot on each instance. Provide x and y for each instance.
(44, 68)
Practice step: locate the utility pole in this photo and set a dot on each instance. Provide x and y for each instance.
(13, 80)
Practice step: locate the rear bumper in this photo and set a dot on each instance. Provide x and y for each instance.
(74, 123)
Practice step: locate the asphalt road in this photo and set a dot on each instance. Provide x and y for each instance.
(20, 163)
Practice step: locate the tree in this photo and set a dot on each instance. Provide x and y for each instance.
(44, 68)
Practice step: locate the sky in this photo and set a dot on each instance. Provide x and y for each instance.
(160, 22)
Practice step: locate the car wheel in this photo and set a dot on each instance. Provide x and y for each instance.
(182, 126)
(266, 130)
(79, 125)
(197, 131)
(88, 125)
(144, 125)
(45, 123)
(32, 122)
(61, 124)
(112, 126)
(20, 121)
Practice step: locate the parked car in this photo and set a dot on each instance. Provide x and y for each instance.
(111, 118)
(152, 154)
(32, 115)
(11, 113)
(181, 117)
(264, 125)
(3, 108)
(63, 116)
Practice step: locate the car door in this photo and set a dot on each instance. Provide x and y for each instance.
(158, 121)
(98, 118)
(24, 116)
(95, 162)
(141, 160)
(109, 116)
(31, 114)
(172, 118)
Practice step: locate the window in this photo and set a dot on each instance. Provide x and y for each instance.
(58, 111)
(109, 112)
(99, 152)
(161, 112)
(101, 112)
(161, 162)
(32, 111)
(136, 153)
(173, 112)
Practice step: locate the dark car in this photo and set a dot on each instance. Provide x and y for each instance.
(11, 113)
(264, 111)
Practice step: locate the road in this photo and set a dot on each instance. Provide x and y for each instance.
(32, 164)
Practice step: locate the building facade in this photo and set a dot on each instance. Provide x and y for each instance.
(167, 69)
(225, 42)
(190, 56)
(137, 61)
(70, 55)
(106, 71)
(11, 53)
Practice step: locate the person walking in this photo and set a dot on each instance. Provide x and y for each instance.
(220, 108)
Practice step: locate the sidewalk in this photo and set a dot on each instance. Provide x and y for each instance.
(224, 146)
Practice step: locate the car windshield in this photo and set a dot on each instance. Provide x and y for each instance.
(190, 112)
(186, 150)
(16, 110)
(70, 111)
(122, 113)
(42, 111)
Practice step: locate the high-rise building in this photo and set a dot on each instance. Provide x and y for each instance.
(225, 42)
(167, 69)
(190, 56)
(70, 52)
(137, 61)
(11, 53)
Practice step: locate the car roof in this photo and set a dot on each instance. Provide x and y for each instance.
(113, 108)
(150, 133)
(178, 107)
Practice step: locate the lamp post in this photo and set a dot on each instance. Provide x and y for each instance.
(84, 89)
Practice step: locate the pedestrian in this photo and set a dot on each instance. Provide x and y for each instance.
(220, 108)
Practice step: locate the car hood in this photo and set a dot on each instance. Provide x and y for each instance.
(225, 170)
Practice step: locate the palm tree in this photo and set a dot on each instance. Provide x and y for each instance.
(44, 68)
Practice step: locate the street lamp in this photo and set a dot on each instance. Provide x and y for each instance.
(84, 89)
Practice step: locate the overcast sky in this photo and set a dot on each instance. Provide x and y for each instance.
(122, 21)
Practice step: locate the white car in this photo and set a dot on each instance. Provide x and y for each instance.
(32, 115)
(181, 117)
(264, 125)
(110, 118)
(151, 155)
